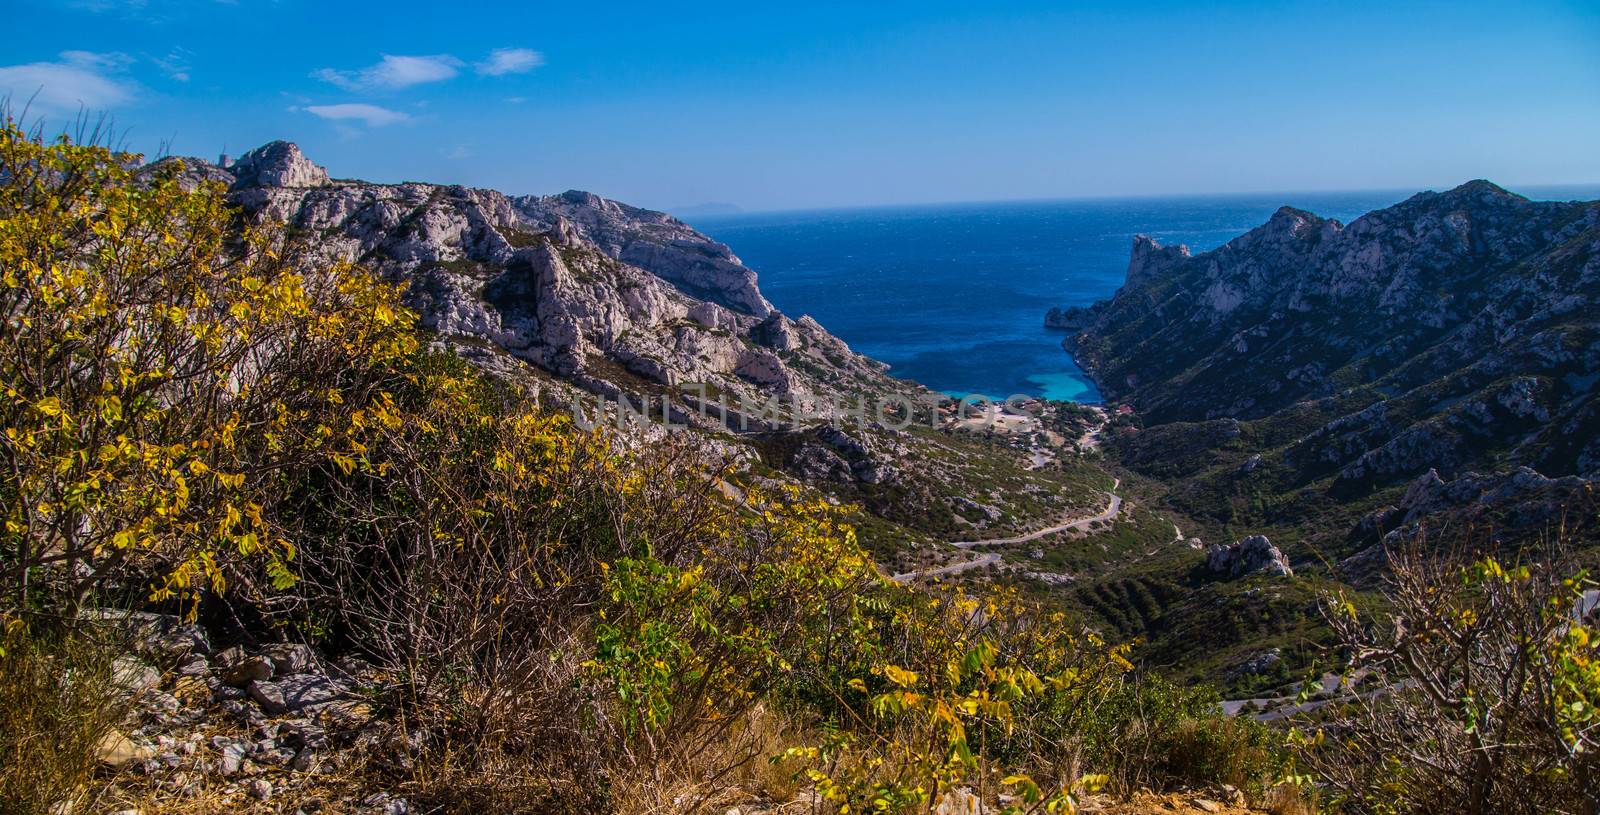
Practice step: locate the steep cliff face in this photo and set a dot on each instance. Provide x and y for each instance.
(583, 287)
(1453, 329)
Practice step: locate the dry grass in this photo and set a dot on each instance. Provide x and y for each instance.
(56, 704)
(736, 771)
(1288, 799)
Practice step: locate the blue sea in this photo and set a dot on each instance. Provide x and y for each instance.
(954, 296)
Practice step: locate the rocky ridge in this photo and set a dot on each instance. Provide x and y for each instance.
(1451, 330)
(611, 297)
(1422, 376)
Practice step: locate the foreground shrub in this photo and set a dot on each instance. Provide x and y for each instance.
(1481, 694)
(1152, 734)
(988, 693)
(558, 607)
(164, 367)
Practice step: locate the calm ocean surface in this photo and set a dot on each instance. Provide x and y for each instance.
(954, 296)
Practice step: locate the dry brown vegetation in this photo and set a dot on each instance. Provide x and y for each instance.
(1479, 694)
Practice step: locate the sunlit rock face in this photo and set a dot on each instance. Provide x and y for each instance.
(609, 295)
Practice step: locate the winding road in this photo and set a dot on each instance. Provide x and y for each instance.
(1113, 506)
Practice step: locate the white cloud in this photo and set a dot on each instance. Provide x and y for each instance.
(79, 79)
(457, 153)
(516, 100)
(108, 61)
(504, 61)
(370, 115)
(175, 64)
(394, 72)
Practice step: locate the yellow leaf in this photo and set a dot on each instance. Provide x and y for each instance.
(900, 676)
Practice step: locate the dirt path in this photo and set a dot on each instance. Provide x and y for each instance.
(978, 562)
(1113, 506)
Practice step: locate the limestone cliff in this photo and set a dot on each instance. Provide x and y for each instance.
(594, 291)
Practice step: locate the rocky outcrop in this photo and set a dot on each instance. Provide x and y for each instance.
(829, 453)
(609, 296)
(1068, 319)
(1259, 663)
(1251, 555)
(277, 164)
(1488, 505)
(1149, 260)
(656, 241)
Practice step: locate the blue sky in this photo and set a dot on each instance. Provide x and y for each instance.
(839, 104)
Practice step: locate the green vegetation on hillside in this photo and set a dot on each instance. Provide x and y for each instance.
(561, 620)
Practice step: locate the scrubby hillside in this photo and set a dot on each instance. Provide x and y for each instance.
(267, 548)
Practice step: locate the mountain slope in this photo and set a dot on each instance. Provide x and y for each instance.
(1426, 372)
(1453, 330)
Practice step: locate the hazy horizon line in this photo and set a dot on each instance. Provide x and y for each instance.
(1519, 189)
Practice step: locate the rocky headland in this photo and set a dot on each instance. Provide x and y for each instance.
(1452, 332)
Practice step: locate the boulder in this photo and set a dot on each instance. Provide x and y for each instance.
(117, 752)
(1252, 555)
(1259, 663)
(247, 670)
(132, 675)
(259, 789)
(161, 634)
(231, 755)
(293, 693)
(290, 658)
(193, 665)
